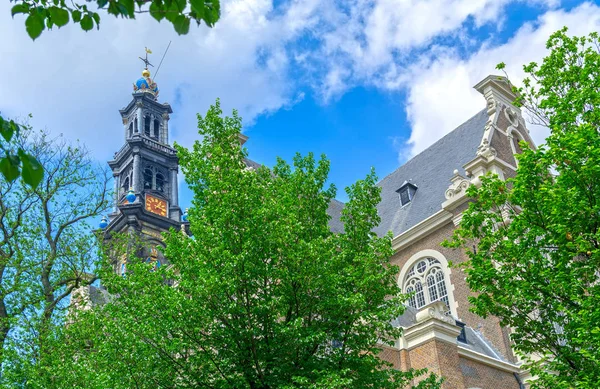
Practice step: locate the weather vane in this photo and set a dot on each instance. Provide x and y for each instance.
(145, 60)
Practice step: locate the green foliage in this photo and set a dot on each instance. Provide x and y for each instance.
(262, 296)
(41, 14)
(16, 162)
(535, 261)
(46, 249)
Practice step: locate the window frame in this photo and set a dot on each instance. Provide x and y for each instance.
(409, 272)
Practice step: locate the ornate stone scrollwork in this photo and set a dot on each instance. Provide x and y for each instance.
(488, 125)
(436, 310)
(491, 103)
(485, 150)
(458, 184)
(512, 116)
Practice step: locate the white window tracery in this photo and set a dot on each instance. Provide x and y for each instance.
(426, 283)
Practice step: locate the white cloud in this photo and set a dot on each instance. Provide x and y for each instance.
(257, 60)
(440, 93)
(75, 82)
(373, 41)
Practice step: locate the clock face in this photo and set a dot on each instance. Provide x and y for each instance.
(156, 205)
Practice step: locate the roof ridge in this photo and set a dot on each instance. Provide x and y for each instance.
(434, 144)
(336, 200)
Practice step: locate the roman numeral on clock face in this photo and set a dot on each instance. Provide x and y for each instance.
(156, 205)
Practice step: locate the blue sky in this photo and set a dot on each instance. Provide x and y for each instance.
(370, 83)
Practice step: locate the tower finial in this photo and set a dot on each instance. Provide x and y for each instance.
(145, 60)
(145, 84)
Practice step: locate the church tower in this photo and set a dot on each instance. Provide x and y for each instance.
(145, 171)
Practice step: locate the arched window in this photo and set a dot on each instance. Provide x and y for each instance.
(156, 128)
(125, 185)
(135, 125)
(160, 182)
(148, 176)
(426, 283)
(130, 130)
(147, 126)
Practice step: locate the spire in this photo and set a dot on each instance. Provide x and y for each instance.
(145, 83)
(145, 60)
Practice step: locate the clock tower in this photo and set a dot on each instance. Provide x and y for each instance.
(145, 171)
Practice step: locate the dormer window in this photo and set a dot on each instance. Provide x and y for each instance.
(407, 192)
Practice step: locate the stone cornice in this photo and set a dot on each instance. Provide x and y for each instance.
(419, 230)
(432, 324)
(495, 89)
(145, 98)
(487, 360)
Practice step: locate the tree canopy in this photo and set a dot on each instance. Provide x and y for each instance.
(42, 14)
(262, 295)
(533, 240)
(16, 162)
(46, 248)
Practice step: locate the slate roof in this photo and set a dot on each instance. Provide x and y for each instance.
(430, 171)
(475, 340)
(335, 211)
(478, 343)
(98, 295)
(251, 163)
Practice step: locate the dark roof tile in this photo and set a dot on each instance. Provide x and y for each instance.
(430, 171)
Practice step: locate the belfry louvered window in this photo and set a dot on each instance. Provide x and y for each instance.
(425, 282)
(154, 179)
(147, 122)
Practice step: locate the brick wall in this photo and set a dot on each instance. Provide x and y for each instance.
(501, 142)
(440, 358)
(393, 356)
(478, 375)
(490, 326)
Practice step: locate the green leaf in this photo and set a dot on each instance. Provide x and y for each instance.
(9, 167)
(113, 8)
(7, 129)
(22, 8)
(87, 23)
(33, 172)
(156, 11)
(212, 16)
(198, 8)
(34, 25)
(76, 15)
(180, 5)
(182, 24)
(101, 3)
(59, 16)
(127, 7)
(96, 18)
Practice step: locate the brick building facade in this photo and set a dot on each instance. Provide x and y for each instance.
(422, 203)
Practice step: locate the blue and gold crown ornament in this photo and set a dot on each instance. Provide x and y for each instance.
(103, 222)
(145, 84)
